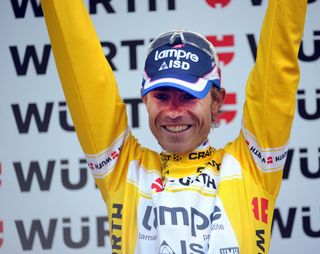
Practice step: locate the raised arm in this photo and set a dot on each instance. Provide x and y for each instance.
(88, 82)
(271, 90)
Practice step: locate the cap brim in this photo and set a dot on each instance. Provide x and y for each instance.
(197, 87)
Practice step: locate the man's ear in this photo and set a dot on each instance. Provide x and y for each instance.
(144, 99)
(218, 97)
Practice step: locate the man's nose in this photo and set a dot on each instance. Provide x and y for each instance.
(174, 109)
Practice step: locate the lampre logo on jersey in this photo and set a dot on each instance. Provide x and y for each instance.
(200, 222)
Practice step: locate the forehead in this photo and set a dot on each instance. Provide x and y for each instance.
(177, 91)
(169, 90)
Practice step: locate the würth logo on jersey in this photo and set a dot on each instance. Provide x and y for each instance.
(104, 160)
(269, 160)
(260, 209)
(156, 186)
(114, 154)
(258, 153)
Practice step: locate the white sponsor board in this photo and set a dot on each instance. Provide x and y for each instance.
(48, 200)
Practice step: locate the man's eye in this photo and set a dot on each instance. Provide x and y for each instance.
(161, 96)
(188, 97)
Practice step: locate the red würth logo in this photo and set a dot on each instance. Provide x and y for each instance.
(260, 209)
(215, 3)
(269, 160)
(157, 185)
(114, 155)
(228, 115)
(225, 41)
(1, 231)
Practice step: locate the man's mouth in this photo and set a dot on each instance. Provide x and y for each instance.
(177, 128)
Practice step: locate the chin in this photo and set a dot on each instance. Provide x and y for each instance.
(178, 149)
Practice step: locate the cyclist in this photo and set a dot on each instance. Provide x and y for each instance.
(190, 198)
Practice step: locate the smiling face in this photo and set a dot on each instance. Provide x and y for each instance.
(179, 121)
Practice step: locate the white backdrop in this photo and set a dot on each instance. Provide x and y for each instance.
(48, 200)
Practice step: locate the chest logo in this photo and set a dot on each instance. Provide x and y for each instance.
(165, 249)
(157, 185)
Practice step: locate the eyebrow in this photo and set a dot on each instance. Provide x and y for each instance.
(162, 89)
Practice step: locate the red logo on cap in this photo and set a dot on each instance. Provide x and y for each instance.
(215, 3)
(178, 46)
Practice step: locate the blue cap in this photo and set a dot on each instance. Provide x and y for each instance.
(184, 60)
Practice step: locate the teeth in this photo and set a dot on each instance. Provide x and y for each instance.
(176, 128)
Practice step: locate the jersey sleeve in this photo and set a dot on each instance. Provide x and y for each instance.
(97, 111)
(271, 92)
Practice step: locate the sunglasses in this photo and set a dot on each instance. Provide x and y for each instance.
(184, 37)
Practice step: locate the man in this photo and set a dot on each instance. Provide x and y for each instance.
(180, 70)
(191, 198)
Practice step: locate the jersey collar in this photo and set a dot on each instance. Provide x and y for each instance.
(181, 165)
